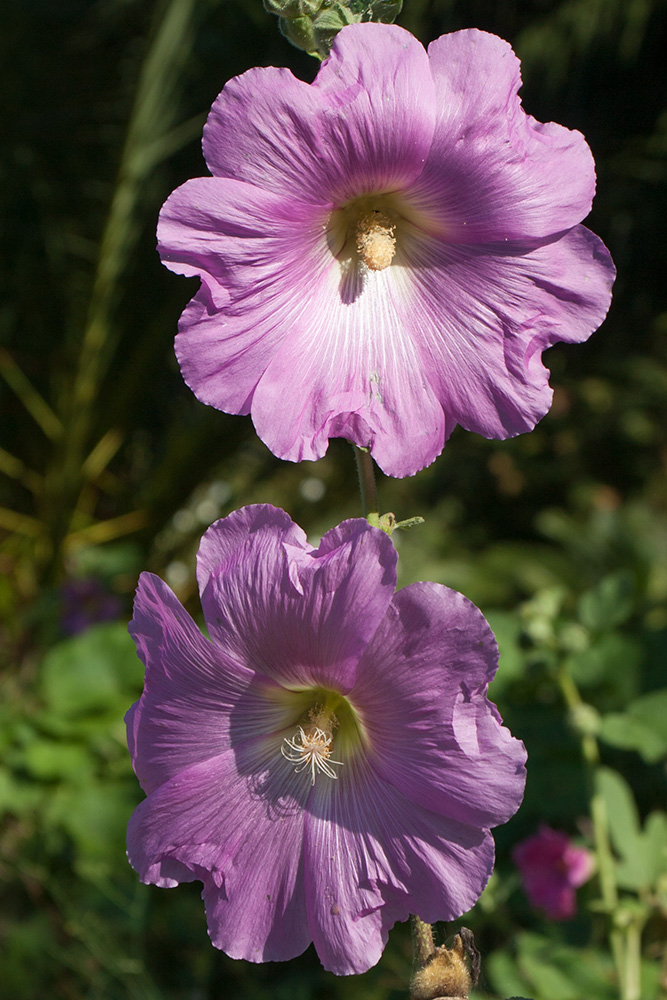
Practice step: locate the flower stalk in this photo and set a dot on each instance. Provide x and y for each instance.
(624, 937)
(422, 940)
(367, 486)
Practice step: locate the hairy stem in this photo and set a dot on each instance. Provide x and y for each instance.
(600, 820)
(422, 940)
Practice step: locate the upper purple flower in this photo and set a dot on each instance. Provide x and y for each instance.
(328, 762)
(551, 869)
(384, 253)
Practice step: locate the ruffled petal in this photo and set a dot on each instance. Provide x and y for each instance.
(227, 542)
(345, 343)
(187, 678)
(252, 250)
(493, 172)
(366, 122)
(300, 616)
(353, 366)
(372, 858)
(483, 315)
(236, 824)
(421, 694)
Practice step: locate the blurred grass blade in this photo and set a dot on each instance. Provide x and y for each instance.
(106, 531)
(20, 523)
(37, 407)
(150, 122)
(102, 453)
(15, 469)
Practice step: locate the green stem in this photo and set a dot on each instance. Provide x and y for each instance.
(422, 940)
(367, 488)
(600, 820)
(633, 943)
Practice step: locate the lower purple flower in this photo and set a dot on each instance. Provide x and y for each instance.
(551, 869)
(328, 762)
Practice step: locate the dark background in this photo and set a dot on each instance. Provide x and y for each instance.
(109, 465)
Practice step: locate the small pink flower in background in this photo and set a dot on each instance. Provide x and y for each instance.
(551, 869)
(386, 253)
(328, 762)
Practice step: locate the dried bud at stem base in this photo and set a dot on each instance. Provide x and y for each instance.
(445, 976)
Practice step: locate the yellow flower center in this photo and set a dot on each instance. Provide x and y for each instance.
(364, 234)
(375, 240)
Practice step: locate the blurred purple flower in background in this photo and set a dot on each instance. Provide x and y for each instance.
(86, 601)
(551, 869)
(384, 253)
(329, 761)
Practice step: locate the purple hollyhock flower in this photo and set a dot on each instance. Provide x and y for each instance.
(384, 253)
(551, 869)
(328, 762)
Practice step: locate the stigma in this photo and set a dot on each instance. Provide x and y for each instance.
(310, 749)
(376, 243)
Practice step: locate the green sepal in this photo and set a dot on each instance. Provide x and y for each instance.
(312, 25)
(388, 523)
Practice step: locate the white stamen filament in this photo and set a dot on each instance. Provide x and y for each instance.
(311, 749)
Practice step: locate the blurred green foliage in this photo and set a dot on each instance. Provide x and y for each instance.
(108, 465)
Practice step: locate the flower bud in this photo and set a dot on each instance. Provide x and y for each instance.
(312, 25)
(445, 975)
(293, 8)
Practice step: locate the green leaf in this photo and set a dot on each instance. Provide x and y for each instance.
(621, 809)
(651, 709)
(610, 657)
(507, 630)
(503, 974)
(95, 816)
(91, 672)
(608, 604)
(49, 760)
(642, 727)
(17, 797)
(561, 972)
(621, 730)
(624, 829)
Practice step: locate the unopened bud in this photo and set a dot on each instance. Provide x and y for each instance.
(445, 975)
(293, 8)
(312, 25)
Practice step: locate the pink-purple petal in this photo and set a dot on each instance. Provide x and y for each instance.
(506, 303)
(422, 693)
(186, 677)
(225, 544)
(277, 605)
(493, 172)
(208, 823)
(381, 88)
(372, 859)
(249, 248)
(372, 103)
(381, 397)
